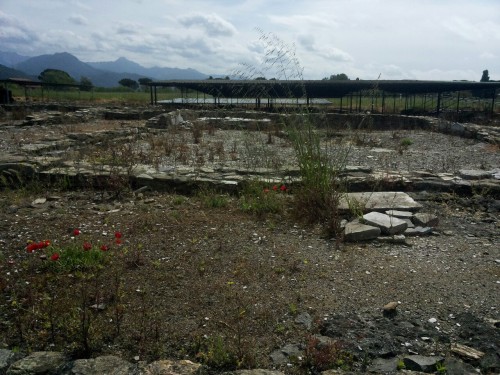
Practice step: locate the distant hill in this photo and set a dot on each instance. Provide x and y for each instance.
(6, 73)
(9, 59)
(74, 67)
(103, 74)
(122, 65)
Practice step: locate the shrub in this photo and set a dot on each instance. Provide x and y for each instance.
(259, 199)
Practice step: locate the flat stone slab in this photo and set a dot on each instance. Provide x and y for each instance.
(475, 174)
(355, 231)
(379, 201)
(400, 214)
(388, 224)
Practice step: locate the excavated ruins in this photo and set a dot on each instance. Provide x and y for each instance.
(415, 282)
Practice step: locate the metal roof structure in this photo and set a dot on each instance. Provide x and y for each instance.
(30, 83)
(306, 92)
(319, 89)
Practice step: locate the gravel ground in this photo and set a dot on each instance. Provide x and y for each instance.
(206, 271)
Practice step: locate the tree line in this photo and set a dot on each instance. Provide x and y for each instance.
(56, 76)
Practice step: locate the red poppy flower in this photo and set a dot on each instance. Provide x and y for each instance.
(76, 232)
(87, 246)
(283, 188)
(118, 235)
(118, 241)
(47, 243)
(54, 256)
(266, 190)
(104, 248)
(275, 187)
(31, 247)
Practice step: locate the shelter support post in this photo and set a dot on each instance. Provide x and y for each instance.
(493, 101)
(438, 105)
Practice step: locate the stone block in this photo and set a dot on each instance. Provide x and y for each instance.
(355, 231)
(387, 224)
(425, 220)
(379, 201)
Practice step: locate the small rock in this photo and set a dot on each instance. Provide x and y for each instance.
(422, 363)
(305, 319)
(6, 358)
(38, 201)
(456, 367)
(390, 309)
(108, 364)
(181, 367)
(98, 306)
(466, 351)
(425, 220)
(384, 366)
(391, 306)
(39, 363)
(278, 358)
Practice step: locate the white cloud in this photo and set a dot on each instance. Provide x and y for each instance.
(361, 38)
(211, 23)
(463, 28)
(15, 31)
(78, 20)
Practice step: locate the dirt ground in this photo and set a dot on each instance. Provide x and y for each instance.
(193, 280)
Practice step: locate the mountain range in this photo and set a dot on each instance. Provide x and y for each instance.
(102, 74)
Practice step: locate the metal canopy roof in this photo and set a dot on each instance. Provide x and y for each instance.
(319, 89)
(31, 83)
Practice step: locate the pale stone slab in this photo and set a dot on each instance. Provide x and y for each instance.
(474, 174)
(355, 231)
(379, 201)
(388, 224)
(400, 214)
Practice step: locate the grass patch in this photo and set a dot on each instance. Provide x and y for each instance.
(261, 199)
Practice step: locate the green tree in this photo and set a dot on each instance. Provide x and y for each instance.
(56, 76)
(85, 84)
(130, 83)
(143, 82)
(485, 77)
(337, 77)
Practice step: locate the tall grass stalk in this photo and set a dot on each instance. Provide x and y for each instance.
(321, 162)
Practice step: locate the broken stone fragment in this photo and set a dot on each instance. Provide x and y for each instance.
(466, 351)
(391, 306)
(400, 214)
(387, 224)
(418, 231)
(422, 363)
(355, 231)
(425, 220)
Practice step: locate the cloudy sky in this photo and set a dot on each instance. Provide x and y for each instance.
(393, 39)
